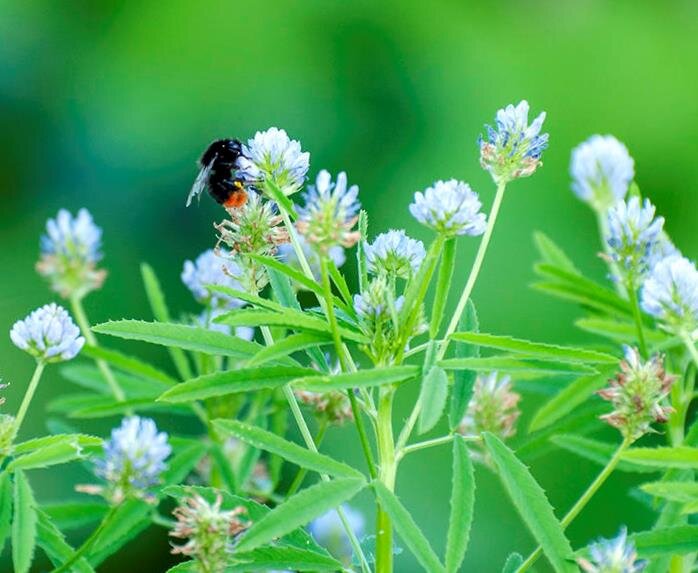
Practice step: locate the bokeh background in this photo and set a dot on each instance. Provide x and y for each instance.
(107, 105)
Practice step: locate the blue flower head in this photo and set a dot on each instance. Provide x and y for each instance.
(450, 207)
(633, 236)
(394, 253)
(670, 293)
(602, 171)
(514, 148)
(134, 459)
(616, 555)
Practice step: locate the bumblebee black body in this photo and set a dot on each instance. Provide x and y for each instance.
(218, 165)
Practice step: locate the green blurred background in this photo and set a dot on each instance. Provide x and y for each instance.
(107, 105)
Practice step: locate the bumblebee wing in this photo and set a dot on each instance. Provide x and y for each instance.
(200, 182)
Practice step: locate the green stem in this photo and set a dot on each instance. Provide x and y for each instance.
(310, 443)
(28, 395)
(401, 453)
(475, 270)
(302, 472)
(85, 547)
(637, 316)
(84, 324)
(388, 469)
(582, 501)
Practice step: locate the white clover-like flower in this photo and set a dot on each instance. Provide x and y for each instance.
(49, 334)
(513, 149)
(394, 253)
(602, 171)
(288, 255)
(329, 531)
(134, 458)
(663, 249)
(330, 213)
(273, 156)
(616, 555)
(210, 268)
(70, 251)
(670, 293)
(450, 207)
(633, 235)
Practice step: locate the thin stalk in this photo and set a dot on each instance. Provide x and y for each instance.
(84, 324)
(582, 501)
(388, 469)
(310, 444)
(28, 395)
(691, 347)
(85, 547)
(302, 472)
(401, 453)
(637, 316)
(475, 270)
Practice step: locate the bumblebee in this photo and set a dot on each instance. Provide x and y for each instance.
(217, 174)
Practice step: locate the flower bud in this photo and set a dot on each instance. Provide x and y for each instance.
(48, 334)
(209, 531)
(638, 394)
(333, 405)
(513, 150)
(493, 407)
(670, 293)
(70, 251)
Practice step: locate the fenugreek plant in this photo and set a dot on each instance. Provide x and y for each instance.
(284, 344)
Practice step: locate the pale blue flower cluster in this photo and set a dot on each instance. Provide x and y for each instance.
(616, 555)
(602, 171)
(394, 253)
(514, 148)
(273, 156)
(330, 212)
(212, 268)
(371, 306)
(329, 532)
(70, 251)
(450, 207)
(670, 293)
(49, 334)
(633, 235)
(134, 458)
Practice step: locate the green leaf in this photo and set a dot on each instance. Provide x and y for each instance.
(293, 319)
(553, 254)
(181, 336)
(598, 452)
(617, 330)
(361, 251)
(567, 400)
(289, 345)
(111, 407)
(407, 528)
(23, 524)
(261, 439)
(667, 541)
(299, 510)
(678, 457)
(73, 515)
(232, 382)
(510, 365)
(535, 349)
(462, 502)
(680, 491)
(83, 440)
(253, 299)
(463, 380)
(340, 282)
(55, 450)
(52, 541)
(287, 558)
(443, 286)
(130, 518)
(129, 364)
(89, 376)
(5, 508)
(433, 394)
(532, 504)
(187, 455)
(513, 562)
(161, 313)
(362, 378)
